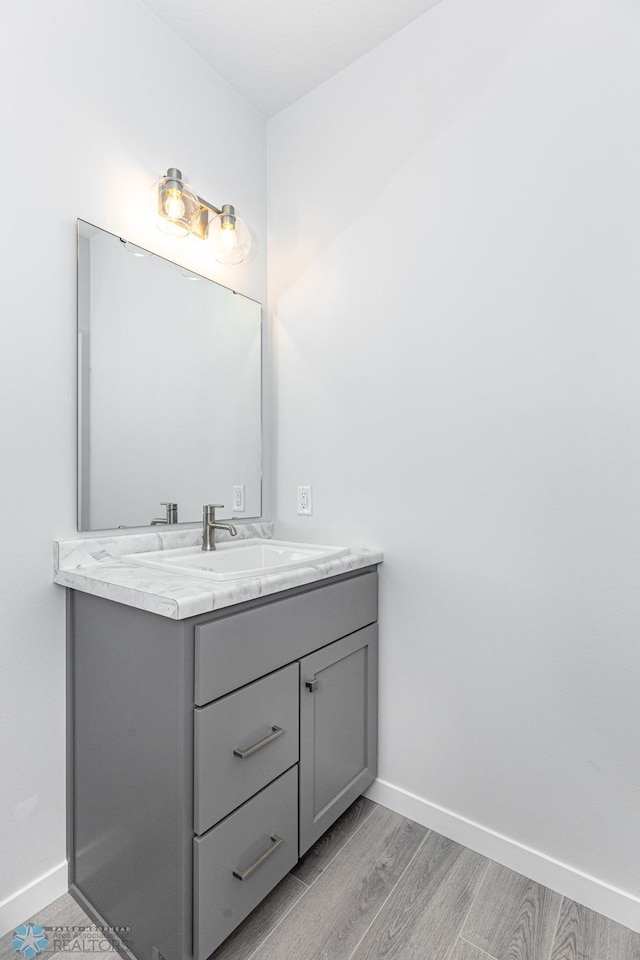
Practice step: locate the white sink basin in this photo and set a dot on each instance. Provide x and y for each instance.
(234, 561)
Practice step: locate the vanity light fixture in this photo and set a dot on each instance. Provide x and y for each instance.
(181, 213)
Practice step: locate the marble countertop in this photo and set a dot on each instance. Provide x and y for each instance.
(95, 566)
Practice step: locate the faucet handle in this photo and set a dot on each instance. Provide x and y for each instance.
(172, 510)
(209, 511)
(171, 513)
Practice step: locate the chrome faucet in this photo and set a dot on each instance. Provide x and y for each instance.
(210, 525)
(172, 514)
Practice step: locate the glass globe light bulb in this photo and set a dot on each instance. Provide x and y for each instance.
(174, 205)
(178, 207)
(231, 238)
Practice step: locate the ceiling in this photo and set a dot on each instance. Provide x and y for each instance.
(275, 51)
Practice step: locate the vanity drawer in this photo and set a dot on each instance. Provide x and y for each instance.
(259, 722)
(237, 649)
(263, 835)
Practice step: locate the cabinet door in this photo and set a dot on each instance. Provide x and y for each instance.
(338, 729)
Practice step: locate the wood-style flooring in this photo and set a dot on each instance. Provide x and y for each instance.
(377, 886)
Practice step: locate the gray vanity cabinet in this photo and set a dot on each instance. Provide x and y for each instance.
(208, 754)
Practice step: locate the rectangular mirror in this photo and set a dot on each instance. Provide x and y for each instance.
(169, 389)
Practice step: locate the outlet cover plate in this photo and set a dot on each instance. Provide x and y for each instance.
(305, 501)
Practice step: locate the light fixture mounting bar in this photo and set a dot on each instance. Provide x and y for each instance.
(202, 223)
(208, 206)
(227, 217)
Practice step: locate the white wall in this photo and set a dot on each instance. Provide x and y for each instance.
(97, 99)
(454, 263)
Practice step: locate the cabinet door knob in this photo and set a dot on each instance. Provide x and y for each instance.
(311, 685)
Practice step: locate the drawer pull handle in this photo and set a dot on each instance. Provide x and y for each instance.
(243, 754)
(243, 874)
(311, 684)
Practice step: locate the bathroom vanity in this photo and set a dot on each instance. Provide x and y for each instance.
(210, 751)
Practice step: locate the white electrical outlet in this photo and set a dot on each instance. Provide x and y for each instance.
(305, 502)
(238, 498)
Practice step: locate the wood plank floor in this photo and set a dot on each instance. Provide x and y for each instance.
(377, 886)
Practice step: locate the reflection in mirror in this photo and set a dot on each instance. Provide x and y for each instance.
(169, 389)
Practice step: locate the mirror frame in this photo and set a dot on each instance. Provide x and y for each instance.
(79, 410)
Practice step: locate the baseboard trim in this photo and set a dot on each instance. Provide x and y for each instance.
(34, 897)
(606, 899)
